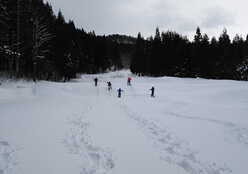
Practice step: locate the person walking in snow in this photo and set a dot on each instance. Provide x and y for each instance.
(96, 79)
(152, 89)
(119, 92)
(129, 81)
(109, 85)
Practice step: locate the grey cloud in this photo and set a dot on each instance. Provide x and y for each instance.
(132, 16)
(217, 16)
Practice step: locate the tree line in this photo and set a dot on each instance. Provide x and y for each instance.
(37, 44)
(171, 54)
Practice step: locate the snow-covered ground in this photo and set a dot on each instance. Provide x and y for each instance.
(192, 126)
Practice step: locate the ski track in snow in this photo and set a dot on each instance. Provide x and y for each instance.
(95, 160)
(239, 133)
(6, 160)
(173, 149)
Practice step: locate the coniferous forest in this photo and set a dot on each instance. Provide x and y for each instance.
(170, 54)
(36, 43)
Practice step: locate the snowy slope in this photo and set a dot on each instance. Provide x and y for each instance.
(191, 126)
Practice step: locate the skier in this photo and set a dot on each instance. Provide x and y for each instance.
(109, 85)
(129, 81)
(152, 89)
(96, 79)
(119, 92)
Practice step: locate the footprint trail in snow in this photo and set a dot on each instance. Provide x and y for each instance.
(173, 149)
(7, 162)
(95, 160)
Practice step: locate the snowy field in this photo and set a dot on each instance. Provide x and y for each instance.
(192, 126)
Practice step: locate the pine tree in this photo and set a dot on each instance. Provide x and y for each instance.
(242, 67)
(41, 35)
(4, 37)
(197, 53)
(225, 68)
(155, 62)
(240, 59)
(167, 52)
(214, 55)
(198, 36)
(206, 60)
(137, 62)
(59, 45)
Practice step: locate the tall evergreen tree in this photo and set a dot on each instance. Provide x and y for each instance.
(156, 59)
(206, 59)
(41, 34)
(59, 45)
(174, 54)
(214, 54)
(238, 45)
(197, 53)
(137, 62)
(167, 52)
(225, 68)
(241, 61)
(4, 37)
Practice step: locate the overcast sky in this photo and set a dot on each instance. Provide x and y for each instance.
(132, 16)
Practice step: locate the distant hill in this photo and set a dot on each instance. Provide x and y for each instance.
(122, 39)
(126, 46)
